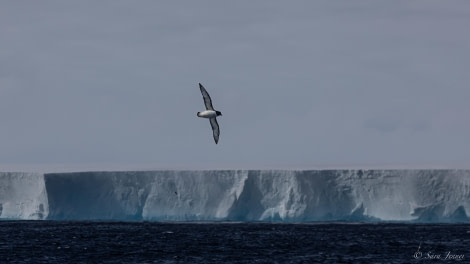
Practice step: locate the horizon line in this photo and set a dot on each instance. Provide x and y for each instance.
(84, 167)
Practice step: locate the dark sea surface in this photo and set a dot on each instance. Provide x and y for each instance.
(156, 242)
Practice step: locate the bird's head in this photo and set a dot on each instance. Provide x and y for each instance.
(218, 113)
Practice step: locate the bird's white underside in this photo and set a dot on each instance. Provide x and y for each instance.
(207, 114)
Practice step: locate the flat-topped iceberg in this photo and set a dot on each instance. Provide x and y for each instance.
(239, 195)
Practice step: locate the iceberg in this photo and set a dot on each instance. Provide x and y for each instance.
(238, 195)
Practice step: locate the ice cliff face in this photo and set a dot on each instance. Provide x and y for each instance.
(239, 195)
(23, 196)
(158, 195)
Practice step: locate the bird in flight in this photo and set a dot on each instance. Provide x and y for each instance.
(210, 113)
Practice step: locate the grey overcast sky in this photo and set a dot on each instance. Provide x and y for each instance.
(299, 83)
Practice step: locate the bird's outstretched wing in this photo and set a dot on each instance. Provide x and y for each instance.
(207, 98)
(215, 129)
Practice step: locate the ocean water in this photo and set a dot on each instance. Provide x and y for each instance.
(222, 242)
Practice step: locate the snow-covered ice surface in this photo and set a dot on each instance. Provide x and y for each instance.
(239, 195)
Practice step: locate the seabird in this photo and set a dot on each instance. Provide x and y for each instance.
(210, 113)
